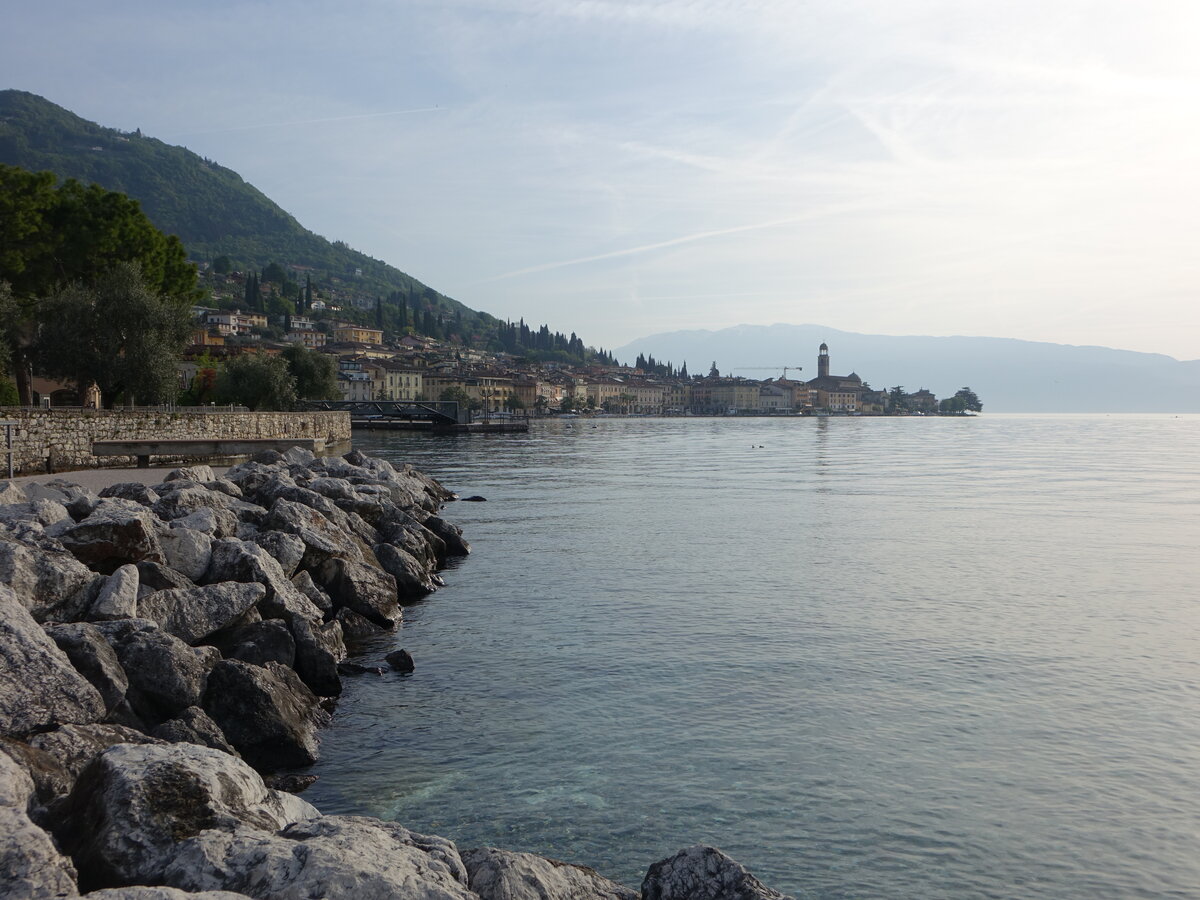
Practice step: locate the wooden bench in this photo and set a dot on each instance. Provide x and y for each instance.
(143, 450)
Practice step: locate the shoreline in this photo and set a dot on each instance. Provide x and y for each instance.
(190, 634)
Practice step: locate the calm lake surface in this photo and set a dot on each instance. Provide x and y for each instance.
(917, 657)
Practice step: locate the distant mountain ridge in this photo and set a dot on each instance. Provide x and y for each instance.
(211, 208)
(1009, 375)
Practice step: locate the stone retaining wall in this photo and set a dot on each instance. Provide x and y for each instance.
(60, 440)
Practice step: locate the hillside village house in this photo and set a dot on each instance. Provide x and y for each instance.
(312, 339)
(357, 334)
(235, 322)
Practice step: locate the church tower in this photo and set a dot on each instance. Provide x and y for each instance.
(823, 361)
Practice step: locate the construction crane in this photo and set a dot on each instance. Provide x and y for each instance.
(766, 369)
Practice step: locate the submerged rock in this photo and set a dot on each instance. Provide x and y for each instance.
(400, 660)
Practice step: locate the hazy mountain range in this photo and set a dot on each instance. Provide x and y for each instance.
(1008, 375)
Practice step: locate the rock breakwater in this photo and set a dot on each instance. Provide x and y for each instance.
(167, 649)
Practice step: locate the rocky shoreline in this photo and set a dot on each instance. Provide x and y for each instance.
(167, 650)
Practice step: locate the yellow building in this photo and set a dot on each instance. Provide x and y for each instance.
(357, 334)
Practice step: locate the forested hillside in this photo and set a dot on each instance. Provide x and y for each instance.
(211, 208)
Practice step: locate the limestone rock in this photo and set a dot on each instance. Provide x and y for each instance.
(319, 649)
(117, 532)
(303, 582)
(334, 857)
(39, 688)
(191, 473)
(165, 675)
(368, 591)
(187, 499)
(94, 658)
(322, 538)
(404, 531)
(703, 873)
(132, 490)
(412, 576)
(258, 643)
(355, 628)
(134, 804)
(118, 595)
(12, 493)
(74, 746)
(31, 865)
(158, 577)
(192, 614)
(216, 523)
(266, 712)
(35, 512)
(194, 726)
(140, 892)
(503, 875)
(285, 549)
(52, 585)
(450, 534)
(187, 551)
(293, 783)
(235, 560)
(16, 786)
(51, 779)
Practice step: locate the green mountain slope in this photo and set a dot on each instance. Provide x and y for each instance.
(211, 209)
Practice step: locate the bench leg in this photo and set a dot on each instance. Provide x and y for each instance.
(144, 461)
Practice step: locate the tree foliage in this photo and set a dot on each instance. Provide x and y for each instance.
(315, 374)
(116, 332)
(59, 236)
(965, 400)
(258, 381)
(69, 243)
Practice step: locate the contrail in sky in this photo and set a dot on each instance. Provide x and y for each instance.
(674, 242)
(380, 115)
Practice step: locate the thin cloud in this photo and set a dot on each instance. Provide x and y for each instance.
(321, 121)
(673, 242)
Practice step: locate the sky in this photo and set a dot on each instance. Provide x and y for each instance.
(1022, 169)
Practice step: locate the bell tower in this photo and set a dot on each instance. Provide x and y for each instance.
(823, 361)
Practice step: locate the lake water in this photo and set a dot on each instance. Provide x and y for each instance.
(919, 657)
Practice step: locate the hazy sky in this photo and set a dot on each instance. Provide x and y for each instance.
(1025, 168)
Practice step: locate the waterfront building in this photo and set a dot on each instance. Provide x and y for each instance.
(835, 393)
